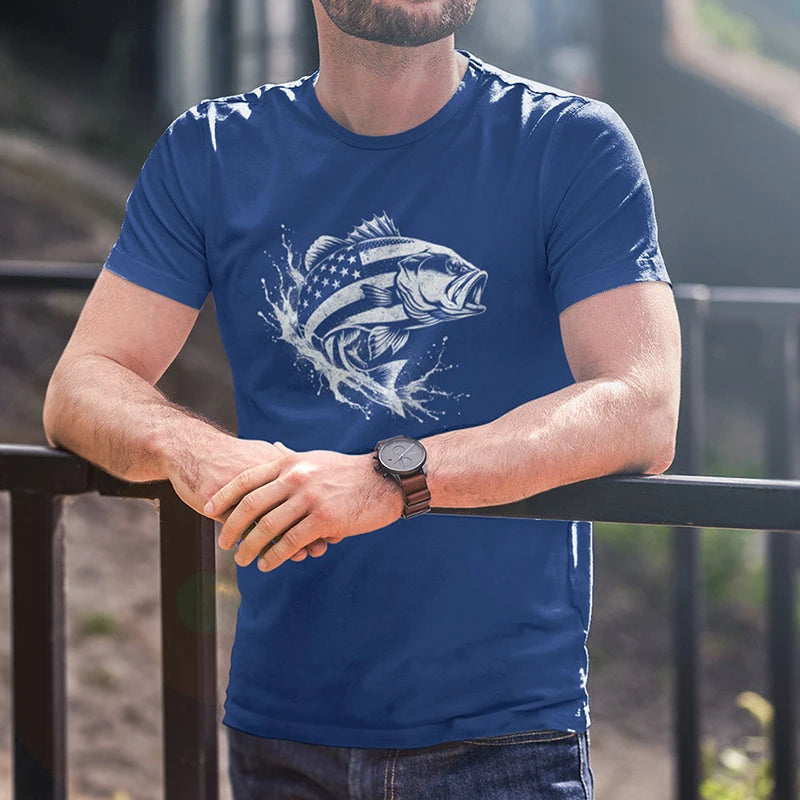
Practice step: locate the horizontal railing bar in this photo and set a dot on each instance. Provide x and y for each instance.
(32, 468)
(769, 307)
(676, 500)
(47, 274)
(739, 294)
(109, 486)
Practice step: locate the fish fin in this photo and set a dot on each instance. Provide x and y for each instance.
(383, 338)
(375, 228)
(379, 296)
(336, 345)
(386, 374)
(320, 249)
(329, 346)
(348, 336)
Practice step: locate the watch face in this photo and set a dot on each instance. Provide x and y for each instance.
(402, 454)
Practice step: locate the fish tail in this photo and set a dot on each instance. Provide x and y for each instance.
(386, 374)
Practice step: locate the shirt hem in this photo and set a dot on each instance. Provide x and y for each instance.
(421, 736)
(644, 270)
(134, 271)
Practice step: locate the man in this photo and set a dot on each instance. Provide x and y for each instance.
(409, 242)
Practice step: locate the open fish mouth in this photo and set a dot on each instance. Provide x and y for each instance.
(466, 291)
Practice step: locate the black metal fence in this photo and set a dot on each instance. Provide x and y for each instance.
(38, 478)
(776, 314)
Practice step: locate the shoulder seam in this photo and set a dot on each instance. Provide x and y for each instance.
(500, 75)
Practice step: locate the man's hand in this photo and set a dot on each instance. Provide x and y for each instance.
(302, 499)
(213, 460)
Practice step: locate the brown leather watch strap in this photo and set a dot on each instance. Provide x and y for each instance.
(416, 495)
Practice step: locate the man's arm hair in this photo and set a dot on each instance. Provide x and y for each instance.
(623, 347)
(101, 401)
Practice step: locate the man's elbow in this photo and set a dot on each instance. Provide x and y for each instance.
(661, 461)
(654, 425)
(661, 442)
(51, 412)
(48, 420)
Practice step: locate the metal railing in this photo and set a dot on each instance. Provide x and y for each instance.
(37, 478)
(776, 313)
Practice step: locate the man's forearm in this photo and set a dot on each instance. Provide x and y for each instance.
(591, 428)
(109, 415)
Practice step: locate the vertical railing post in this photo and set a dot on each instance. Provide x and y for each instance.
(782, 553)
(686, 557)
(37, 643)
(189, 651)
(224, 44)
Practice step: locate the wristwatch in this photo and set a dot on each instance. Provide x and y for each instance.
(403, 459)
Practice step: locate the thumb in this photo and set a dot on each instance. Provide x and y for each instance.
(283, 448)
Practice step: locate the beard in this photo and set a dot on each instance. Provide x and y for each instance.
(382, 22)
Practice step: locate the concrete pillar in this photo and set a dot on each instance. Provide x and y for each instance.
(185, 54)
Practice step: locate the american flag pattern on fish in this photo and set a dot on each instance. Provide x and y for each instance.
(357, 301)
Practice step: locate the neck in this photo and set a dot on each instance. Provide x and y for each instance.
(376, 89)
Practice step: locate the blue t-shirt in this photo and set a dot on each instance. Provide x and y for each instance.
(412, 283)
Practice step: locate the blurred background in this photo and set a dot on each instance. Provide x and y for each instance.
(711, 92)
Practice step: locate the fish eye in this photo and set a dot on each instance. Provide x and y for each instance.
(452, 266)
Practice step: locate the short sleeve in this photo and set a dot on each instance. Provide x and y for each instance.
(599, 221)
(161, 244)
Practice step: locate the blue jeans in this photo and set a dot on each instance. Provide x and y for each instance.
(533, 765)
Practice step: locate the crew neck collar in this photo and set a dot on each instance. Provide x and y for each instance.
(463, 92)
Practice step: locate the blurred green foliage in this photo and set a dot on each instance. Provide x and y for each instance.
(98, 623)
(731, 563)
(727, 26)
(743, 772)
(770, 29)
(715, 464)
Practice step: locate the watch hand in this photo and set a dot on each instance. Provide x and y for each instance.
(405, 451)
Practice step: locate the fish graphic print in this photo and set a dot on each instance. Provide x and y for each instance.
(351, 306)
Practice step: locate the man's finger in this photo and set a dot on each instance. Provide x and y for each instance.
(317, 548)
(244, 482)
(271, 526)
(241, 521)
(300, 535)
